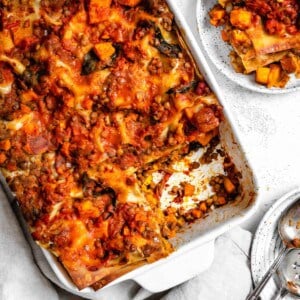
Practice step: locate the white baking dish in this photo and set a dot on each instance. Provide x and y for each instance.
(153, 276)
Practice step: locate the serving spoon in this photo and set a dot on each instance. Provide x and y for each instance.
(289, 232)
(289, 275)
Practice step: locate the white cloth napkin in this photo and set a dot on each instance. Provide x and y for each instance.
(228, 278)
(20, 277)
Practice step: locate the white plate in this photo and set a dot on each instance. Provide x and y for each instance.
(218, 52)
(267, 243)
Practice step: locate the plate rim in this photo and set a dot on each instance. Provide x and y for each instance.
(278, 207)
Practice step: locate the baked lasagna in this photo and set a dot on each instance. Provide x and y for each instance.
(265, 36)
(99, 100)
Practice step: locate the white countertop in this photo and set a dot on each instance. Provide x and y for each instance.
(269, 127)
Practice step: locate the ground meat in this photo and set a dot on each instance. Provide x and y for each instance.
(155, 66)
(157, 7)
(205, 120)
(279, 16)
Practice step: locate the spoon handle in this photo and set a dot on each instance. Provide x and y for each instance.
(255, 293)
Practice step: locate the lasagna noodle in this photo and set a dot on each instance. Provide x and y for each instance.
(253, 63)
(262, 60)
(265, 43)
(252, 56)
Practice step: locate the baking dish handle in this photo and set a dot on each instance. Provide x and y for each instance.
(177, 270)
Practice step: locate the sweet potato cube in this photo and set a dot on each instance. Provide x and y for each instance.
(6, 41)
(205, 138)
(99, 10)
(104, 50)
(262, 75)
(239, 37)
(197, 213)
(189, 190)
(217, 15)
(220, 200)
(228, 185)
(130, 3)
(2, 158)
(203, 207)
(5, 145)
(241, 18)
(274, 76)
(21, 33)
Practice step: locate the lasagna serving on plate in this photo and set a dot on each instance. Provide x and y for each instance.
(265, 36)
(101, 105)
